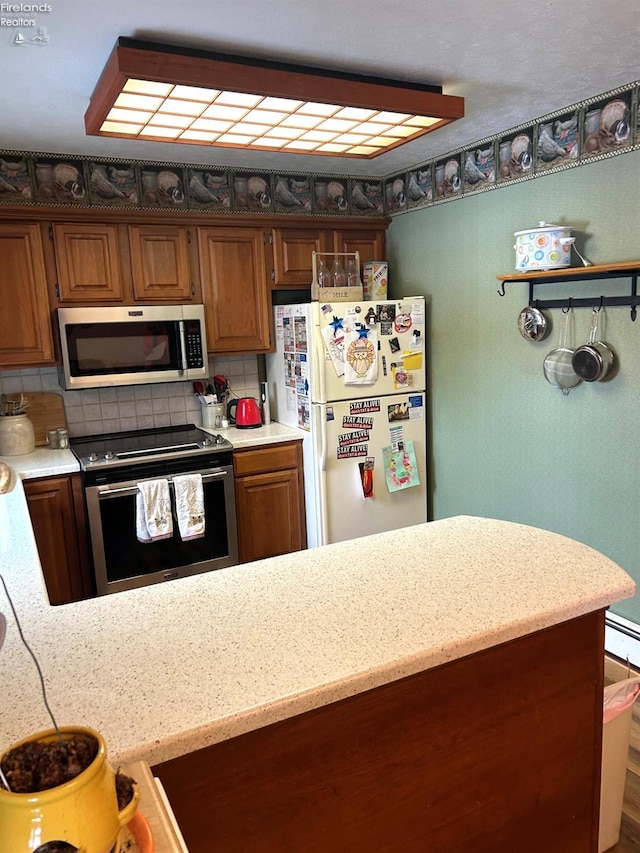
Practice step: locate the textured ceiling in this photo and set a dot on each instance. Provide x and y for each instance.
(511, 60)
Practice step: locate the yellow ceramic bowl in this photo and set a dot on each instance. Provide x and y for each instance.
(83, 812)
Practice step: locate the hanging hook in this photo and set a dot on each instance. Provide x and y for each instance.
(568, 308)
(501, 292)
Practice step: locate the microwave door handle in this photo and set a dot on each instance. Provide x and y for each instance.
(183, 346)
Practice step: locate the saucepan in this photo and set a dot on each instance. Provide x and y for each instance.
(558, 369)
(593, 361)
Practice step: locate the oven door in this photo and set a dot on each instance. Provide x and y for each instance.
(122, 562)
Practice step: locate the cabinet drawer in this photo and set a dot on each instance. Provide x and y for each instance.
(273, 457)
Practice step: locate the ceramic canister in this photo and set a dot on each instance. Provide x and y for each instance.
(547, 247)
(82, 812)
(17, 435)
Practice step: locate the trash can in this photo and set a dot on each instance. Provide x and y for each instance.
(616, 734)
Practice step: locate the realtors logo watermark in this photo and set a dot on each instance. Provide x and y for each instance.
(21, 18)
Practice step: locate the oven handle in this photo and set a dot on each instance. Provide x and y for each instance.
(134, 489)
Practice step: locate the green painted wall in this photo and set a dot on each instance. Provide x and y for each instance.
(503, 442)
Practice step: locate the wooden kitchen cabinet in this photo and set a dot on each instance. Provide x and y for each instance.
(160, 263)
(370, 244)
(292, 252)
(56, 507)
(270, 510)
(234, 289)
(87, 263)
(25, 324)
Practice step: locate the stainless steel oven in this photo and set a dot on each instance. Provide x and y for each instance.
(114, 465)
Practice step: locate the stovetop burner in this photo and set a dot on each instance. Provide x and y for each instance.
(127, 448)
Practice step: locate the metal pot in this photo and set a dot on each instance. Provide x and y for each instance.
(547, 247)
(593, 361)
(558, 369)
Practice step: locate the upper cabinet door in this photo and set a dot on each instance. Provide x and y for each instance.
(25, 325)
(160, 263)
(88, 263)
(234, 289)
(292, 251)
(370, 244)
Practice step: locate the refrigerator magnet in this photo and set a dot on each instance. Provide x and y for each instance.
(412, 360)
(370, 317)
(402, 323)
(366, 476)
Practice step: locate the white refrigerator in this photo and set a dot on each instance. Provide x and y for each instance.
(352, 376)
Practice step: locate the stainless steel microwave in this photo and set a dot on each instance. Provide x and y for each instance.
(132, 345)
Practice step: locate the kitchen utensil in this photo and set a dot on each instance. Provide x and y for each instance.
(198, 388)
(558, 369)
(593, 361)
(244, 413)
(542, 248)
(532, 324)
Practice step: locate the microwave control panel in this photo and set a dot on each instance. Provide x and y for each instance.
(193, 341)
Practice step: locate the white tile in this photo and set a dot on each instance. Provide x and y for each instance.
(177, 404)
(75, 414)
(12, 385)
(90, 396)
(108, 395)
(126, 393)
(110, 411)
(160, 406)
(32, 383)
(111, 425)
(143, 408)
(143, 392)
(50, 382)
(128, 423)
(92, 412)
(162, 420)
(145, 422)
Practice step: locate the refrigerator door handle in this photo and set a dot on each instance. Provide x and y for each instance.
(323, 519)
(319, 368)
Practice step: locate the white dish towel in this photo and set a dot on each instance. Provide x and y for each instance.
(153, 511)
(189, 497)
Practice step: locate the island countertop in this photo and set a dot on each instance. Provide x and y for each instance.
(167, 669)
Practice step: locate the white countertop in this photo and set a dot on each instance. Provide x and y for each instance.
(170, 668)
(274, 433)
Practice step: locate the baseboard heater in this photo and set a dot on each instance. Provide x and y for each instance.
(622, 638)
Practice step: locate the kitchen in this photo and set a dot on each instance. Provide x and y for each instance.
(503, 443)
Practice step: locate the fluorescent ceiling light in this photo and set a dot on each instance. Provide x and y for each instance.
(154, 91)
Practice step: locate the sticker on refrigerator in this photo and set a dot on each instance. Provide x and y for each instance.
(401, 378)
(416, 407)
(355, 422)
(330, 414)
(396, 437)
(288, 336)
(366, 476)
(303, 414)
(402, 323)
(352, 450)
(300, 330)
(358, 407)
(400, 467)
(386, 313)
(355, 437)
(398, 412)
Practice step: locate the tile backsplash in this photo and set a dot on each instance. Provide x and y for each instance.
(100, 410)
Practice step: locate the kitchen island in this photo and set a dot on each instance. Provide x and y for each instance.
(433, 688)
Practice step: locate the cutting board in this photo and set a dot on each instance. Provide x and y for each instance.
(46, 411)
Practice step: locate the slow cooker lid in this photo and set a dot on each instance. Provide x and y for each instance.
(543, 226)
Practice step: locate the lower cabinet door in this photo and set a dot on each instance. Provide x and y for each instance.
(269, 515)
(56, 508)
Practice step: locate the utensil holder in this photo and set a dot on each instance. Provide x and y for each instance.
(17, 435)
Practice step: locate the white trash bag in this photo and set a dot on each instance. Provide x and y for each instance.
(616, 734)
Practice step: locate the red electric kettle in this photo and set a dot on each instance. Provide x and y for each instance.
(244, 413)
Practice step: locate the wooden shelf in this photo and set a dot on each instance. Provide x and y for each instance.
(576, 273)
(626, 269)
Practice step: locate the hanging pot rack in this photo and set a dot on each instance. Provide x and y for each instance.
(627, 269)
